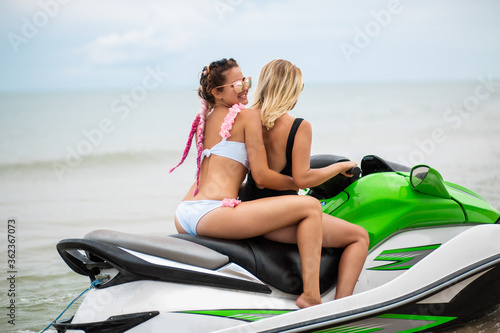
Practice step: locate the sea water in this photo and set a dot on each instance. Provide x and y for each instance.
(73, 162)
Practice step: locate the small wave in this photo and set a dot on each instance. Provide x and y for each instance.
(110, 158)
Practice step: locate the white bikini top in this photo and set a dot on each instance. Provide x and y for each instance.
(231, 149)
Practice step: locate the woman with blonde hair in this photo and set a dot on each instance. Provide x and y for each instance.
(229, 143)
(288, 145)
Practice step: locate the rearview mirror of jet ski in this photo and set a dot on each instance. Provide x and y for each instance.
(433, 263)
(426, 180)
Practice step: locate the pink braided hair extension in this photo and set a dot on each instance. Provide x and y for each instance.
(194, 126)
(198, 126)
(200, 134)
(190, 139)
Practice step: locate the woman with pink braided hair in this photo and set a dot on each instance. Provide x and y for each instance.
(229, 142)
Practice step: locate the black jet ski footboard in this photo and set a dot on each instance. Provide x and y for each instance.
(114, 324)
(277, 264)
(90, 258)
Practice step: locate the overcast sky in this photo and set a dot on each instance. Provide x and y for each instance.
(90, 44)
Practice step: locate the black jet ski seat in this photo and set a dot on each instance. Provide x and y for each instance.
(163, 247)
(374, 164)
(369, 164)
(334, 185)
(276, 264)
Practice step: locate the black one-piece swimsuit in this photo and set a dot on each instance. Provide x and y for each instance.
(251, 191)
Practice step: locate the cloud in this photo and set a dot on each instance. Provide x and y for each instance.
(159, 30)
(116, 48)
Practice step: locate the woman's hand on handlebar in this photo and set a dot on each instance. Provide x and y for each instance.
(347, 171)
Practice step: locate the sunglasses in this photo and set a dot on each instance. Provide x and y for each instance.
(238, 85)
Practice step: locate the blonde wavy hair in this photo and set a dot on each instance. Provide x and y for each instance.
(280, 84)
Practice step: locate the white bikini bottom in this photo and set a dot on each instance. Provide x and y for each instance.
(189, 213)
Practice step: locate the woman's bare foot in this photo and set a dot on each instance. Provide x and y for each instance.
(305, 301)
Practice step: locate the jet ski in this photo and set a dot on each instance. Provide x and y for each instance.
(433, 263)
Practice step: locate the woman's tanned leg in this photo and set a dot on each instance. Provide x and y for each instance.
(254, 218)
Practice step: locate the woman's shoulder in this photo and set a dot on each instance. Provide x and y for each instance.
(305, 123)
(305, 128)
(247, 120)
(286, 121)
(250, 114)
